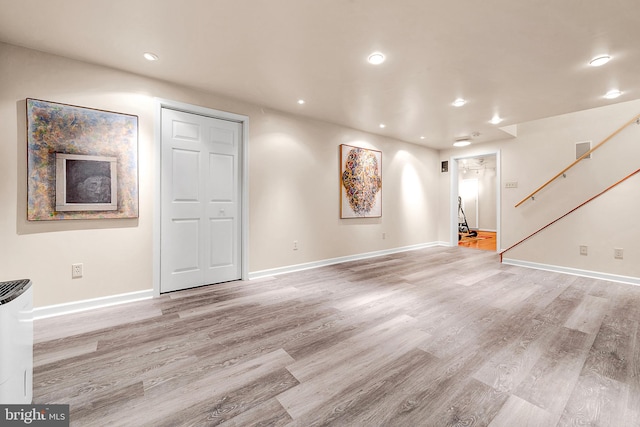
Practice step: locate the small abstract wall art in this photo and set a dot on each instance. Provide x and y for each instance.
(85, 183)
(82, 163)
(360, 182)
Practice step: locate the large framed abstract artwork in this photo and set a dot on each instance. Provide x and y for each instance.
(360, 182)
(82, 163)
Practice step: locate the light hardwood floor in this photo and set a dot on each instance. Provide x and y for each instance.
(433, 337)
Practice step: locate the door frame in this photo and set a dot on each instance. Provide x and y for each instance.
(453, 205)
(157, 171)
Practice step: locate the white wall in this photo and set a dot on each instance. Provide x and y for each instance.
(542, 149)
(293, 185)
(295, 173)
(487, 215)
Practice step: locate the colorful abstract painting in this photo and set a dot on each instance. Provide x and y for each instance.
(61, 131)
(360, 182)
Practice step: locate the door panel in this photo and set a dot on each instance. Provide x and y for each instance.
(223, 136)
(221, 239)
(221, 176)
(187, 232)
(200, 209)
(185, 185)
(186, 131)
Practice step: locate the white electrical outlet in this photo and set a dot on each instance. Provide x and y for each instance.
(618, 253)
(584, 250)
(384, 236)
(295, 245)
(76, 271)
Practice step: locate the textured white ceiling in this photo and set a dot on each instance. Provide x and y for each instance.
(524, 60)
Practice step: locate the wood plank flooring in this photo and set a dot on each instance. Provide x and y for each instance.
(485, 240)
(433, 337)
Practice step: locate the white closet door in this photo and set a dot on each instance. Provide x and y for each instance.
(200, 219)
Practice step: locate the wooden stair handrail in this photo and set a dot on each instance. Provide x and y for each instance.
(571, 211)
(562, 172)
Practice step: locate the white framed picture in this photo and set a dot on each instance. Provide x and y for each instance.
(86, 183)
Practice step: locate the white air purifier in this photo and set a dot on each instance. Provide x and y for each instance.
(16, 342)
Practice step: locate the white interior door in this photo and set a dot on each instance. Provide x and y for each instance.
(200, 232)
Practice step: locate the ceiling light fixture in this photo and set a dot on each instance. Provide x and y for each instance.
(459, 102)
(422, 137)
(300, 101)
(376, 58)
(600, 60)
(382, 126)
(612, 94)
(462, 142)
(149, 56)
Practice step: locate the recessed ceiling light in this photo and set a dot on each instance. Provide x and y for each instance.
(300, 101)
(600, 60)
(382, 126)
(495, 120)
(459, 102)
(149, 56)
(376, 58)
(422, 137)
(612, 94)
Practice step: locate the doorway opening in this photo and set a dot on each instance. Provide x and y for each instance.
(475, 196)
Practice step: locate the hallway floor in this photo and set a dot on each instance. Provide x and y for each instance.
(485, 240)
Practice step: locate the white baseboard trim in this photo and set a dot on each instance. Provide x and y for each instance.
(92, 304)
(574, 271)
(323, 263)
(89, 304)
